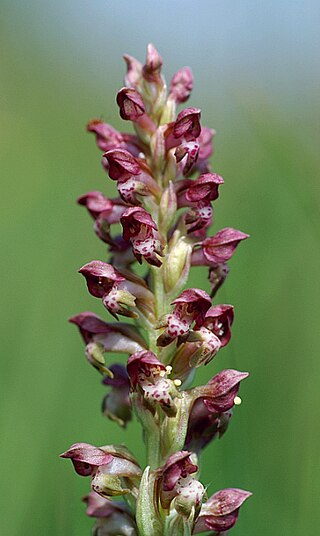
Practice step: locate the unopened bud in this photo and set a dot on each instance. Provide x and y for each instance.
(177, 265)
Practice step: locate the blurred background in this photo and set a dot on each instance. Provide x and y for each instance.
(256, 68)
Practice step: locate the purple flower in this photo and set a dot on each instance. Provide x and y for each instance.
(140, 229)
(110, 467)
(218, 248)
(102, 337)
(187, 124)
(108, 138)
(219, 393)
(187, 154)
(190, 307)
(133, 176)
(105, 212)
(149, 377)
(131, 104)
(86, 458)
(112, 517)
(218, 319)
(181, 85)
(175, 482)
(117, 292)
(221, 511)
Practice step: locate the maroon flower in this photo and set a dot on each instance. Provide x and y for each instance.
(219, 393)
(218, 248)
(140, 229)
(176, 483)
(199, 218)
(86, 458)
(133, 176)
(149, 377)
(187, 124)
(105, 212)
(116, 405)
(204, 188)
(218, 319)
(110, 467)
(181, 85)
(122, 165)
(204, 426)
(130, 103)
(191, 306)
(221, 511)
(116, 337)
(117, 292)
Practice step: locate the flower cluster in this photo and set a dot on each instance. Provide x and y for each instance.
(164, 209)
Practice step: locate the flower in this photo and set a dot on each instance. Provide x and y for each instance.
(221, 510)
(110, 467)
(181, 85)
(118, 293)
(141, 230)
(149, 377)
(218, 248)
(218, 319)
(219, 393)
(175, 482)
(108, 138)
(191, 306)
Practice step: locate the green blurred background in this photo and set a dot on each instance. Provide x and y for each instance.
(256, 67)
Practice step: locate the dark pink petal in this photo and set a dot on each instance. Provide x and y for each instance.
(130, 103)
(181, 85)
(187, 124)
(86, 457)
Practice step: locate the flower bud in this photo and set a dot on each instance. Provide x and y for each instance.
(187, 124)
(130, 103)
(152, 68)
(134, 71)
(181, 85)
(178, 264)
